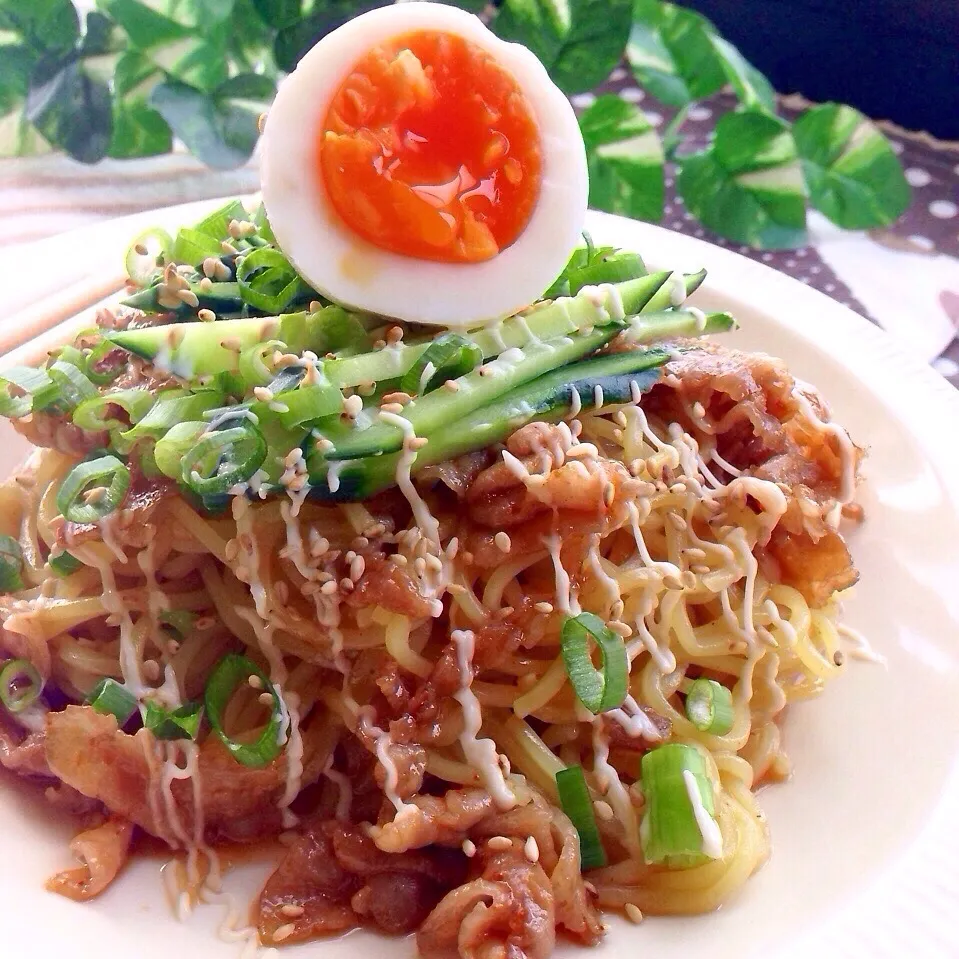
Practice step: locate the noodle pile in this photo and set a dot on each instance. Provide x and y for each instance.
(415, 641)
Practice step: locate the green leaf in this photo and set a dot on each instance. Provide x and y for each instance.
(219, 128)
(48, 27)
(578, 41)
(625, 159)
(853, 176)
(671, 53)
(18, 63)
(279, 13)
(145, 27)
(71, 110)
(751, 87)
(747, 185)
(296, 39)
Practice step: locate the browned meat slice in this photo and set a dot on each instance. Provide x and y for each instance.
(309, 893)
(56, 431)
(87, 751)
(816, 568)
(509, 912)
(434, 819)
(333, 877)
(102, 852)
(385, 584)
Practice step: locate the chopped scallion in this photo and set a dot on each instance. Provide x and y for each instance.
(678, 827)
(451, 355)
(575, 800)
(175, 444)
(179, 621)
(20, 685)
(96, 413)
(180, 723)
(223, 458)
(36, 391)
(111, 698)
(146, 253)
(268, 282)
(73, 383)
(709, 707)
(255, 363)
(597, 689)
(63, 564)
(11, 565)
(93, 489)
(230, 673)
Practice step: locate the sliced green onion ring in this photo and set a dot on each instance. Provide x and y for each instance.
(268, 281)
(255, 362)
(676, 831)
(309, 404)
(73, 383)
(111, 698)
(11, 565)
(141, 267)
(451, 355)
(575, 800)
(597, 689)
(63, 564)
(97, 355)
(180, 723)
(180, 621)
(20, 685)
(75, 498)
(175, 444)
(709, 707)
(230, 673)
(226, 457)
(38, 389)
(92, 413)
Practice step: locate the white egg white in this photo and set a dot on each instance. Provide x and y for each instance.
(351, 271)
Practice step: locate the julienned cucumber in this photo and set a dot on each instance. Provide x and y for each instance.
(441, 407)
(549, 398)
(558, 318)
(218, 297)
(203, 349)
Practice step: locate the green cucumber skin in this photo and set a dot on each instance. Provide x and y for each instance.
(220, 298)
(548, 398)
(441, 407)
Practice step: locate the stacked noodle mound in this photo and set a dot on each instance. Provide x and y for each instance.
(414, 642)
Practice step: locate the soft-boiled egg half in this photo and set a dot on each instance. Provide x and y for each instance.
(417, 166)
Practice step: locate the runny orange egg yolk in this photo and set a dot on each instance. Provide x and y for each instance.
(430, 149)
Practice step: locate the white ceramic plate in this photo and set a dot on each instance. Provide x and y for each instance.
(865, 847)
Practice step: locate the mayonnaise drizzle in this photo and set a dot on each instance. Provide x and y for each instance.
(708, 827)
(480, 753)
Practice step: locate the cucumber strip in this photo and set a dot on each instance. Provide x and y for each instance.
(559, 318)
(441, 407)
(203, 349)
(649, 327)
(548, 398)
(218, 297)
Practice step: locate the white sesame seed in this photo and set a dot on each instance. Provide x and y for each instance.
(328, 589)
(206, 316)
(603, 809)
(151, 669)
(543, 607)
(284, 932)
(452, 386)
(392, 407)
(263, 394)
(633, 913)
(469, 848)
(188, 297)
(254, 681)
(266, 699)
(531, 849)
(499, 843)
(357, 568)
(353, 405)
(291, 910)
(503, 542)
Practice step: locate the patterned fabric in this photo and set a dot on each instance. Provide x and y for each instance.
(904, 278)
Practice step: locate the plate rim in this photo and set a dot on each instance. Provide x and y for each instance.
(874, 917)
